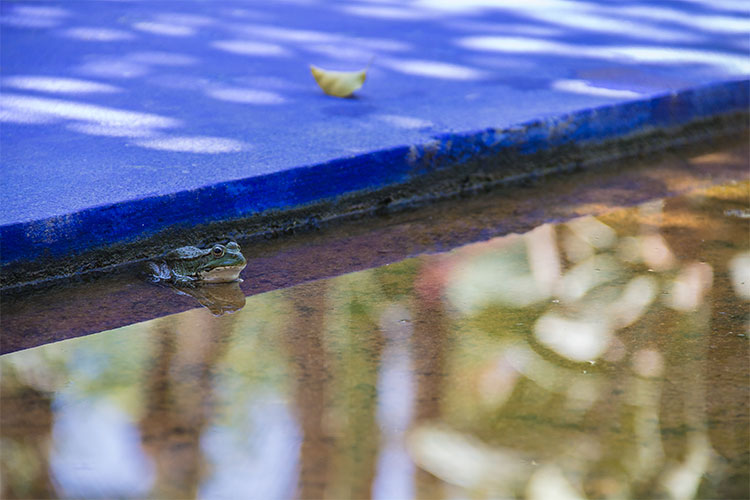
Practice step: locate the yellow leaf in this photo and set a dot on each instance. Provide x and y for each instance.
(338, 83)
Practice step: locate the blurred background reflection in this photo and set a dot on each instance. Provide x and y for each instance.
(600, 358)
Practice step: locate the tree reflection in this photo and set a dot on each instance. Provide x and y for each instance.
(308, 360)
(179, 399)
(25, 431)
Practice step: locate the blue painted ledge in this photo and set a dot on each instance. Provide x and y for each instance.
(130, 221)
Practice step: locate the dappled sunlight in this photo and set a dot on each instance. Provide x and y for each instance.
(284, 34)
(23, 117)
(92, 34)
(183, 19)
(79, 111)
(586, 88)
(251, 48)
(610, 24)
(245, 95)
(404, 122)
(731, 63)
(432, 69)
(112, 67)
(335, 51)
(389, 12)
(164, 28)
(111, 130)
(194, 144)
(34, 16)
(56, 85)
(161, 58)
(721, 24)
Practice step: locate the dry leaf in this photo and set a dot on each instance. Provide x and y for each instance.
(338, 83)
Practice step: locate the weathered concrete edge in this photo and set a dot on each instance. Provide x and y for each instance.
(42, 249)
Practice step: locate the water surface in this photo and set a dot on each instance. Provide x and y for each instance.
(604, 357)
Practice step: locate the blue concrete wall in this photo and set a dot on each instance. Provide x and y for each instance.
(120, 119)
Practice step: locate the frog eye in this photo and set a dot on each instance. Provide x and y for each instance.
(217, 251)
(232, 246)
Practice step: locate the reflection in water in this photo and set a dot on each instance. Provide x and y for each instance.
(601, 358)
(219, 298)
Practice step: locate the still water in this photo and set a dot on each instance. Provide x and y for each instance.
(604, 357)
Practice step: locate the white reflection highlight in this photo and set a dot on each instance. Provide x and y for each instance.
(494, 278)
(549, 483)
(462, 460)
(532, 366)
(96, 452)
(497, 381)
(85, 112)
(255, 458)
(656, 253)
(194, 144)
(246, 96)
(432, 69)
(648, 363)
(394, 412)
(690, 286)
(250, 48)
(576, 339)
(543, 257)
(90, 34)
(584, 87)
(58, 85)
(165, 29)
(594, 232)
(739, 268)
(638, 294)
(683, 479)
(588, 274)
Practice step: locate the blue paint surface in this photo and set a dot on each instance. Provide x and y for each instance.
(122, 118)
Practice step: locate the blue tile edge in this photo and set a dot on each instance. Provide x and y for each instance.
(99, 227)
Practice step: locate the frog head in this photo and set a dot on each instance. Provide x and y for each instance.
(220, 263)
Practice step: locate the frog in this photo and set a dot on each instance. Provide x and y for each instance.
(191, 265)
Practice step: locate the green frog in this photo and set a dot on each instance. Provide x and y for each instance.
(192, 265)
